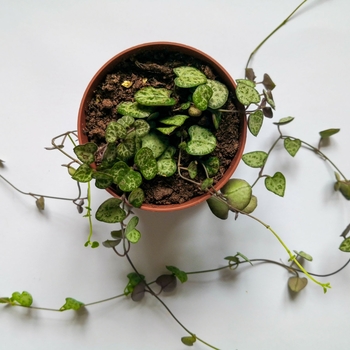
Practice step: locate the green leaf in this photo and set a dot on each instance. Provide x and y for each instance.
(296, 284)
(166, 130)
(219, 208)
(86, 152)
(186, 105)
(189, 340)
(188, 77)
(150, 96)
(142, 128)
(72, 304)
(344, 188)
(328, 133)
(156, 142)
(247, 94)
(127, 121)
(134, 110)
(247, 82)
(134, 280)
(83, 173)
(110, 211)
(238, 193)
(133, 236)
(132, 224)
(24, 298)
(212, 164)
(126, 149)
(109, 156)
(284, 121)
(176, 120)
(255, 121)
(130, 181)
(166, 167)
(244, 258)
(216, 117)
(168, 153)
(304, 255)
(220, 94)
(208, 182)
(192, 169)
(345, 245)
(114, 132)
(255, 159)
(118, 171)
(146, 163)
(181, 275)
(202, 141)
(136, 197)
(201, 96)
(276, 184)
(292, 145)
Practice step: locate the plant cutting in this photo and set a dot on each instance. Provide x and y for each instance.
(89, 164)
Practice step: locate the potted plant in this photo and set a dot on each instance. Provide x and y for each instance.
(158, 87)
(234, 197)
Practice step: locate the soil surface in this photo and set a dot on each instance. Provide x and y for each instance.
(156, 69)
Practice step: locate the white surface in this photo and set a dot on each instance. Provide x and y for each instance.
(49, 52)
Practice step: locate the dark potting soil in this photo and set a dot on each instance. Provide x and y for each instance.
(155, 68)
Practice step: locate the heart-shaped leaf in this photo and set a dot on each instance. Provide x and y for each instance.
(83, 173)
(134, 110)
(166, 167)
(150, 96)
(292, 145)
(136, 197)
(156, 142)
(255, 122)
(141, 128)
(130, 181)
(146, 163)
(212, 164)
(296, 284)
(71, 304)
(247, 94)
(24, 298)
(276, 184)
(127, 121)
(110, 211)
(167, 282)
(220, 94)
(167, 130)
(201, 96)
(202, 141)
(115, 131)
(133, 236)
(86, 152)
(188, 77)
(255, 159)
(192, 169)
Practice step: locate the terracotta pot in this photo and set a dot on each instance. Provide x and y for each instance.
(222, 73)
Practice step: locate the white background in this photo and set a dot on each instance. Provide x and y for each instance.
(49, 52)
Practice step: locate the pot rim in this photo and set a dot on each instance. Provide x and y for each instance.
(172, 46)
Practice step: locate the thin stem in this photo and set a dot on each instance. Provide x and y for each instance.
(268, 154)
(273, 32)
(36, 194)
(317, 151)
(88, 211)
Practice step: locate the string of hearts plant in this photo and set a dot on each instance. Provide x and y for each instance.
(140, 145)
